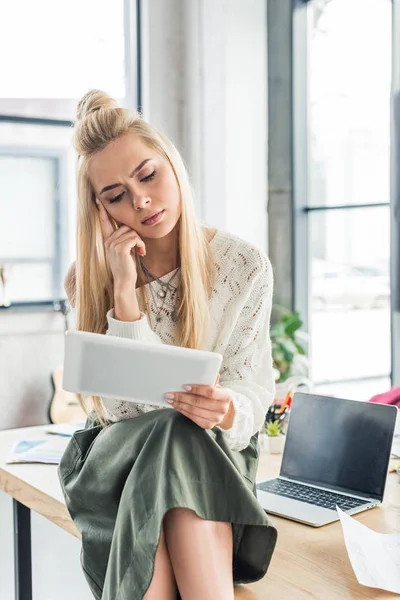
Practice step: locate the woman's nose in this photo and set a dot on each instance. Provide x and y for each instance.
(140, 202)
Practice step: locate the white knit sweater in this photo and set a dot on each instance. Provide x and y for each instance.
(240, 308)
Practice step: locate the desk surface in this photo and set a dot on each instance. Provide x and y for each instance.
(307, 563)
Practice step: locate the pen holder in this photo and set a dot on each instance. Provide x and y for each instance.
(292, 385)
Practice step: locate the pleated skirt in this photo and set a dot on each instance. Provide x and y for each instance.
(121, 480)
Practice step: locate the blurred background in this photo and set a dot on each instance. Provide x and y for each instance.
(286, 114)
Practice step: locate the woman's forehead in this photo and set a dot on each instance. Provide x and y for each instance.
(119, 158)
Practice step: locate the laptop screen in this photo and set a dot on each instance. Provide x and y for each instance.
(340, 444)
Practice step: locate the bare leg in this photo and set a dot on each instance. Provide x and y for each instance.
(242, 593)
(201, 555)
(163, 585)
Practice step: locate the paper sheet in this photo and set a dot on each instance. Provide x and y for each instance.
(49, 450)
(375, 557)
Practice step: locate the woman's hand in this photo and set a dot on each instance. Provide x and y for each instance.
(120, 247)
(205, 405)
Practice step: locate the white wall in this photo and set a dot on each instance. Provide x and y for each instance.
(246, 120)
(206, 88)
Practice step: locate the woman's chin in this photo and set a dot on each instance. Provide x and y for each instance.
(156, 232)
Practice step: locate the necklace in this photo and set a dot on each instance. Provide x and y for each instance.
(164, 285)
(166, 288)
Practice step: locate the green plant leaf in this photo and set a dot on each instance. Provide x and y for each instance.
(273, 428)
(286, 351)
(285, 347)
(292, 325)
(300, 349)
(278, 330)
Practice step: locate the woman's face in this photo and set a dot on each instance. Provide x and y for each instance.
(137, 186)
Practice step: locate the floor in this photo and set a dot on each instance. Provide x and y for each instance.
(55, 556)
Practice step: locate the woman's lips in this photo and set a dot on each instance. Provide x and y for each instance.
(154, 219)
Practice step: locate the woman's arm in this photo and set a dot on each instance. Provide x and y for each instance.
(134, 330)
(247, 365)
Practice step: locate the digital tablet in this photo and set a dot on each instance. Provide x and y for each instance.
(131, 370)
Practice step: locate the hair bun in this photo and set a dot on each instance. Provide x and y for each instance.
(93, 101)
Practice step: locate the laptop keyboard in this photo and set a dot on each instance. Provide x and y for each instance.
(309, 494)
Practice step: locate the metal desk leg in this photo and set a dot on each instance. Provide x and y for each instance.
(22, 552)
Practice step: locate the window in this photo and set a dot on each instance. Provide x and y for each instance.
(67, 48)
(344, 206)
(30, 233)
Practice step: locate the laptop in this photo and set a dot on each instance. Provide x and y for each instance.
(336, 453)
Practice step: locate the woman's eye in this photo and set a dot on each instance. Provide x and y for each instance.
(148, 177)
(117, 198)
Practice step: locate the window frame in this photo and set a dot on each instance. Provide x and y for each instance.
(59, 158)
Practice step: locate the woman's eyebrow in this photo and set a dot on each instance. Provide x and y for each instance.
(114, 185)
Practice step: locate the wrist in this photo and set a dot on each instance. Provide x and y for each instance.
(126, 307)
(125, 289)
(227, 421)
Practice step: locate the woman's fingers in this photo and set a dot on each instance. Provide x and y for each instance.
(126, 237)
(196, 402)
(124, 240)
(123, 235)
(205, 405)
(201, 422)
(106, 225)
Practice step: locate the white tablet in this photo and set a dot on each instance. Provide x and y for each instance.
(135, 371)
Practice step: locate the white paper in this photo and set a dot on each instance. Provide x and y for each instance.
(45, 450)
(375, 557)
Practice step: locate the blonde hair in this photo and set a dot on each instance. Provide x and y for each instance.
(100, 121)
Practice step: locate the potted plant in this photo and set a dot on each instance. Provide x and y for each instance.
(276, 439)
(287, 341)
(288, 352)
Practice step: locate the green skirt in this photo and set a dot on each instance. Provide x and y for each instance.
(121, 480)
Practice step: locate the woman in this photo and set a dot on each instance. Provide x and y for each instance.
(165, 499)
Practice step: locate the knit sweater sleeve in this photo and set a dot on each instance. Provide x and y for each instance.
(133, 330)
(247, 365)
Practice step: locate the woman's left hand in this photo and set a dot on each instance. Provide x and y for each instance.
(205, 405)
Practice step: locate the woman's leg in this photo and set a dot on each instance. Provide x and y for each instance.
(242, 593)
(201, 555)
(163, 585)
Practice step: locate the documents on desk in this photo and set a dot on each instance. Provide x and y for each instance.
(375, 557)
(46, 450)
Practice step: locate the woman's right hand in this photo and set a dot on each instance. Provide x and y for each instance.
(119, 246)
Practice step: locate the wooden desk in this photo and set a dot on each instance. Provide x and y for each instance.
(307, 563)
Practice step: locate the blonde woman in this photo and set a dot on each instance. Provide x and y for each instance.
(165, 499)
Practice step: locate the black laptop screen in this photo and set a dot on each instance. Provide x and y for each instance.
(343, 444)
